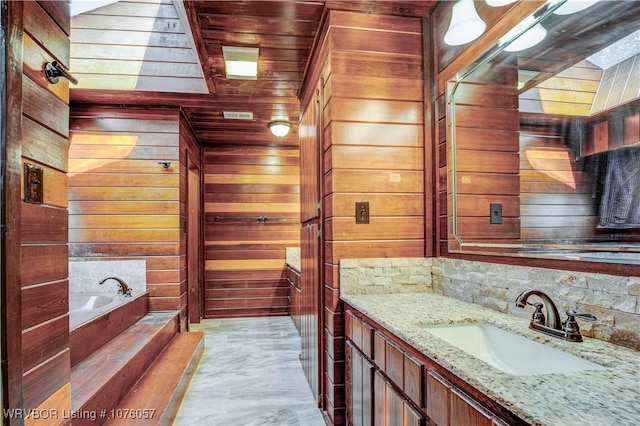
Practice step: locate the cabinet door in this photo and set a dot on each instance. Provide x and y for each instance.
(361, 388)
(466, 412)
(394, 406)
(438, 399)
(379, 393)
(367, 392)
(411, 416)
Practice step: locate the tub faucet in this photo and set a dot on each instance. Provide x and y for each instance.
(124, 288)
(549, 322)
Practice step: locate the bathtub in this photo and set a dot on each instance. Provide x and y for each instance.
(96, 318)
(84, 307)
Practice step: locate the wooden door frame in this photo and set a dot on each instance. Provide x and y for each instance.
(195, 281)
(11, 233)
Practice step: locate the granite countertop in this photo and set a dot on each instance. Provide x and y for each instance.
(598, 397)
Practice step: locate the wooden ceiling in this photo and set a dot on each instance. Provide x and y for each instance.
(284, 31)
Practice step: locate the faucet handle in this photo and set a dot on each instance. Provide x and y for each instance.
(588, 317)
(571, 326)
(538, 317)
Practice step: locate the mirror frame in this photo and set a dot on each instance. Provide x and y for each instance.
(610, 253)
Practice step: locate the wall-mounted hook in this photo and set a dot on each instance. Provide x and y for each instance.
(165, 164)
(54, 70)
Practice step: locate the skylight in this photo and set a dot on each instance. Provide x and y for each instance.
(241, 62)
(617, 52)
(82, 6)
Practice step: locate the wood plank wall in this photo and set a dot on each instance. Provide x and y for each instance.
(244, 257)
(373, 150)
(44, 259)
(123, 204)
(557, 193)
(486, 158)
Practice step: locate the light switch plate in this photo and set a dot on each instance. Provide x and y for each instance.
(495, 213)
(362, 212)
(33, 184)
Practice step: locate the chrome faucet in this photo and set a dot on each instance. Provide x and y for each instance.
(124, 288)
(549, 322)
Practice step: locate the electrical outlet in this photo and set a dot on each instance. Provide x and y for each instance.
(495, 213)
(362, 212)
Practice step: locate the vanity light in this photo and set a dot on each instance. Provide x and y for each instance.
(499, 3)
(240, 63)
(466, 25)
(279, 128)
(530, 38)
(573, 6)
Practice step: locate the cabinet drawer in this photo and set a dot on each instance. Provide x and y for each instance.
(465, 411)
(366, 340)
(360, 333)
(379, 350)
(394, 360)
(413, 380)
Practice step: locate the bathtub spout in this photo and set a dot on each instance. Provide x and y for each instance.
(124, 288)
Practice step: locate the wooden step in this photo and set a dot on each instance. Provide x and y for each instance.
(102, 380)
(156, 397)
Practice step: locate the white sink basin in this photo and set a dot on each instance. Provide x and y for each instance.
(509, 352)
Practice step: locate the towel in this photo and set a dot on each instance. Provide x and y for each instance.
(620, 203)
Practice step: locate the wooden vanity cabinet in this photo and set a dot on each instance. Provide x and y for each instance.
(389, 383)
(384, 384)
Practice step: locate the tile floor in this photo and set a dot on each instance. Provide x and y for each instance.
(249, 374)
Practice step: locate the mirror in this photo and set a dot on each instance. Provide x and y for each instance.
(544, 159)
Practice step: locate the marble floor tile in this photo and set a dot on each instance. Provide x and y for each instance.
(250, 374)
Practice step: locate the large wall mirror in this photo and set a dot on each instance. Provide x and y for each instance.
(544, 132)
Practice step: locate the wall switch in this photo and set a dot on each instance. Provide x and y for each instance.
(495, 213)
(362, 212)
(33, 184)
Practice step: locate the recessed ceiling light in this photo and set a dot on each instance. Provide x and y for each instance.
(241, 63)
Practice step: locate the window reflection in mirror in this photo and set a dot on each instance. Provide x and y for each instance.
(545, 139)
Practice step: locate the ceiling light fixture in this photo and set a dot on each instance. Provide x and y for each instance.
(532, 36)
(466, 25)
(279, 128)
(241, 63)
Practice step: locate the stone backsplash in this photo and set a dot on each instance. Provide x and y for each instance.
(614, 300)
(385, 275)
